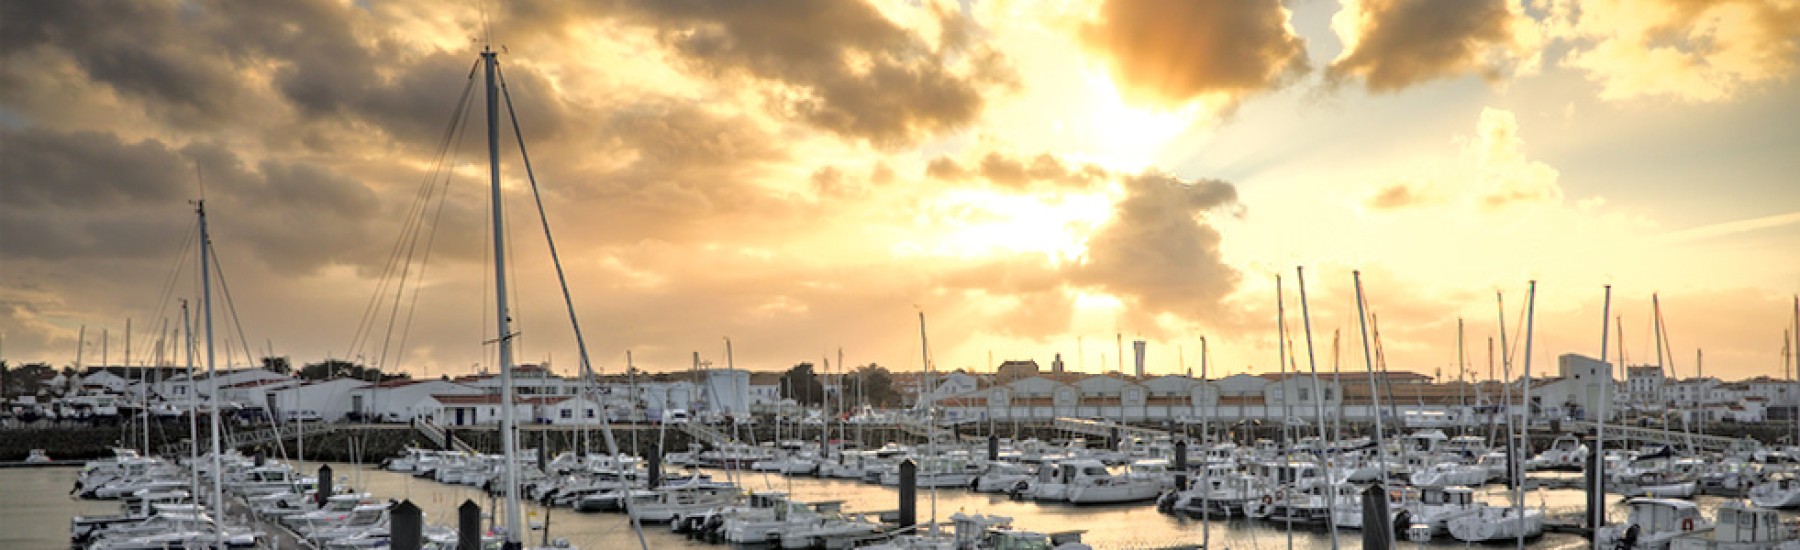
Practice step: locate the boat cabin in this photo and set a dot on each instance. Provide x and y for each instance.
(1663, 515)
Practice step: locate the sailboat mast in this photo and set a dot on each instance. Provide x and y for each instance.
(1374, 395)
(212, 375)
(1318, 393)
(1599, 430)
(508, 438)
(1525, 395)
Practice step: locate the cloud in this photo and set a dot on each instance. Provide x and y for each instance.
(1504, 175)
(1158, 254)
(1680, 49)
(1393, 44)
(1016, 173)
(1171, 53)
(841, 66)
(1398, 195)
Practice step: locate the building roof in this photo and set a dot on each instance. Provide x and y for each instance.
(491, 399)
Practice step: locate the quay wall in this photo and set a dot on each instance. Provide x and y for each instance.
(71, 440)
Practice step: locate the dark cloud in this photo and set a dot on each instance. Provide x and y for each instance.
(76, 195)
(143, 50)
(841, 65)
(1173, 52)
(1158, 254)
(86, 169)
(1400, 43)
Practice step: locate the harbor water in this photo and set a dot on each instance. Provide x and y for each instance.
(37, 509)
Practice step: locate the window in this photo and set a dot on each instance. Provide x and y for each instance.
(590, 413)
(1305, 394)
(567, 414)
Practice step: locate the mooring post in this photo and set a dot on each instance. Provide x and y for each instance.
(909, 493)
(468, 526)
(407, 530)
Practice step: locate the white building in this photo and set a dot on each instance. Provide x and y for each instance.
(1689, 393)
(180, 390)
(476, 409)
(1645, 385)
(725, 391)
(573, 411)
(403, 400)
(105, 381)
(331, 399)
(1577, 392)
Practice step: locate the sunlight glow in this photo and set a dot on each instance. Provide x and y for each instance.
(1125, 137)
(981, 222)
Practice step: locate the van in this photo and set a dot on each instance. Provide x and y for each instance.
(676, 416)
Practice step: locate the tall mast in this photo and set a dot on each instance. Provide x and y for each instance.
(1205, 472)
(1600, 419)
(212, 373)
(1525, 432)
(503, 320)
(1318, 395)
(1374, 394)
(930, 423)
(187, 342)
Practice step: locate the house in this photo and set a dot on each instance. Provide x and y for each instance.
(1644, 384)
(1690, 392)
(764, 389)
(725, 391)
(100, 380)
(1576, 393)
(330, 399)
(476, 409)
(180, 390)
(528, 380)
(402, 400)
(1015, 370)
(571, 411)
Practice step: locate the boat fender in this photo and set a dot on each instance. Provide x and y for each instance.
(1687, 524)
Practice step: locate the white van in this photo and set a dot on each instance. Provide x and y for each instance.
(676, 416)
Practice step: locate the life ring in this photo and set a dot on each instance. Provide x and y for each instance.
(1687, 524)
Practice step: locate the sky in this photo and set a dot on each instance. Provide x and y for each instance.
(804, 179)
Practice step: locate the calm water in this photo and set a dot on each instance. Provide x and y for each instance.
(35, 509)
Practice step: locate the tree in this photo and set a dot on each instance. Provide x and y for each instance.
(802, 385)
(335, 368)
(27, 379)
(277, 365)
(874, 384)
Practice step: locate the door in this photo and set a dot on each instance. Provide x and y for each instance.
(459, 415)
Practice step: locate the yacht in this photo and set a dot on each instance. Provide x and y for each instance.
(1092, 483)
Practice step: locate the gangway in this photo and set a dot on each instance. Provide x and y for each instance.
(1657, 435)
(1104, 428)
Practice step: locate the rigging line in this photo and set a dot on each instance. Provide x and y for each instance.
(456, 130)
(430, 242)
(230, 305)
(438, 167)
(418, 225)
(175, 271)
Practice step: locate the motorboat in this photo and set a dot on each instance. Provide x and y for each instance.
(1653, 524)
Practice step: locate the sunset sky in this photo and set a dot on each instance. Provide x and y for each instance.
(805, 176)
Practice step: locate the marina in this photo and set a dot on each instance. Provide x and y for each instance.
(839, 275)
